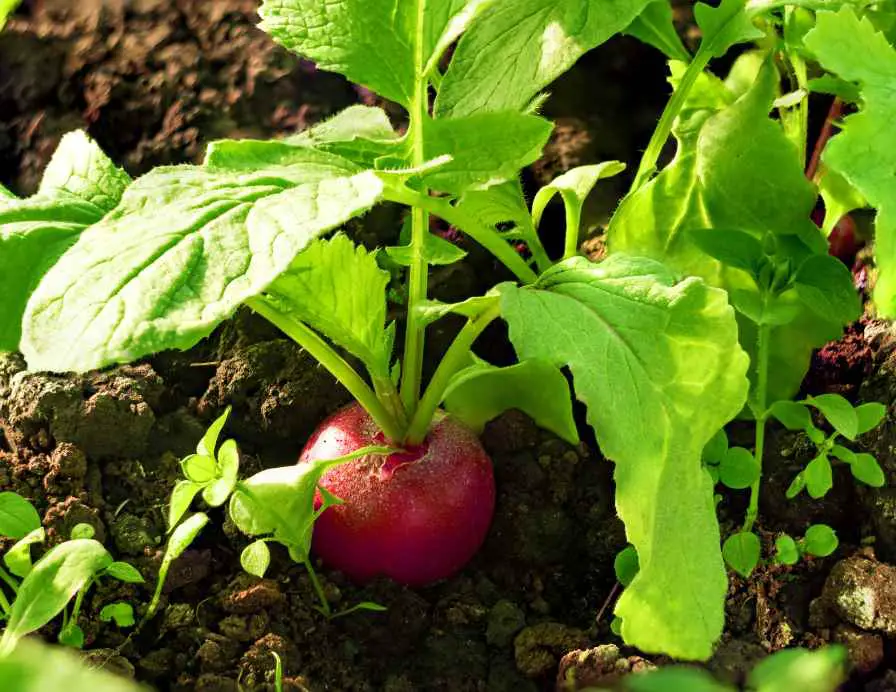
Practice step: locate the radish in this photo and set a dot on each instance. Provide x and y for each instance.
(416, 516)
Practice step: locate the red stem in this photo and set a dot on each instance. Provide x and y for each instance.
(827, 131)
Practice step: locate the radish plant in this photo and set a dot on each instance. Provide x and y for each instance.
(98, 269)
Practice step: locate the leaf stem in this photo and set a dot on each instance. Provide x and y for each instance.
(325, 608)
(573, 221)
(760, 410)
(455, 359)
(470, 225)
(418, 275)
(10, 581)
(321, 351)
(673, 107)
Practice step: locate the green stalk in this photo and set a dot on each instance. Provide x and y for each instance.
(760, 410)
(325, 608)
(321, 351)
(455, 359)
(664, 128)
(418, 275)
(573, 221)
(4, 604)
(10, 580)
(470, 225)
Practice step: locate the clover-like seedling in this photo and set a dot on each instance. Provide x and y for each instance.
(848, 423)
(820, 540)
(42, 590)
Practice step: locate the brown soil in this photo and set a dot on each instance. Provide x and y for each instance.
(153, 81)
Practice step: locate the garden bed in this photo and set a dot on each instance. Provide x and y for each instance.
(153, 81)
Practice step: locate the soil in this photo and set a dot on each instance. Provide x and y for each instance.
(153, 81)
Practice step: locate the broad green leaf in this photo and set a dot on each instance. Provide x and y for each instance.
(820, 540)
(431, 310)
(377, 43)
(486, 148)
(839, 197)
(625, 565)
(438, 252)
(18, 558)
(181, 538)
(18, 518)
(217, 492)
(818, 477)
(734, 169)
(654, 26)
(574, 186)
(657, 364)
(514, 50)
(793, 415)
(82, 531)
(796, 486)
(482, 392)
(52, 583)
(738, 469)
(866, 470)
(37, 667)
(256, 558)
(862, 154)
(125, 572)
(279, 502)
(229, 460)
(741, 552)
(869, 416)
(199, 468)
(71, 635)
(733, 248)
(79, 187)
(843, 454)
(724, 26)
(7, 7)
(673, 679)
(181, 499)
(716, 448)
(821, 670)
(209, 442)
(838, 412)
(132, 286)
(826, 287)
(121, 613)
(786, 550)
(314, 290)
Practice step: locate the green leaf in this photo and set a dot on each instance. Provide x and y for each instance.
(7, 7)
(869, 416)
(741, 552)
(79, 187)
(826, 286)
(181, 539)
(818, 477)
(854, 50)
(725, 26)
(514, 50)
(18, 518)
(793, 415)
(256, 558)
(125, 572)
(485, 148)
(120, 612)
(37, 667)
(733, 248)
(716, 448)
(82, 531)
(820, 540)
(181, 499)
(734, 169)
(843, 454)
(372, 42)
(432, 310)
(229, 460)
(482, 392)
(209, 442)
(63, 571)
(142, 286)
(279, 502)
(839, 197)
(217, 492)
(72, 635)
(625, 565)
(866, 470)
(786, 550)
(738, 469)
(654, 26)
(438, 252)
(838, 412)
(673, 679)
(821, 670)
(574, 186)
(18, 558)
(351, 313)
(199, 468)
(796, 486)
(656, 362)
